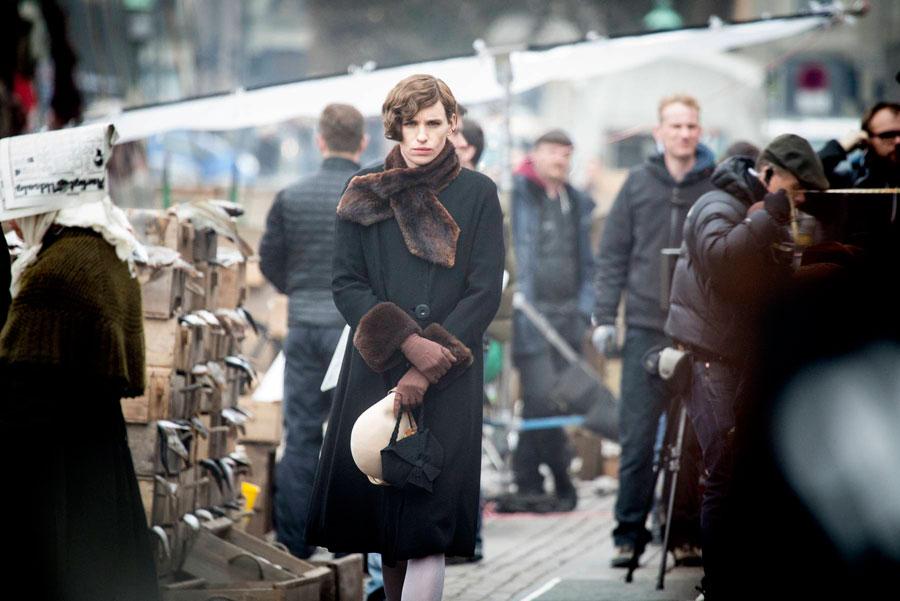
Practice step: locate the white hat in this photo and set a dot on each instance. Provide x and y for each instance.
(372, 432)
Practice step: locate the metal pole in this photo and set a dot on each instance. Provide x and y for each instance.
(673, 467)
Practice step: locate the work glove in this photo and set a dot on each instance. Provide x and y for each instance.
(410, 390)
(605, 339)
(778, 206)
(432, 359)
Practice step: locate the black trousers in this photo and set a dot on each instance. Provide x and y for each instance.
(539, 373)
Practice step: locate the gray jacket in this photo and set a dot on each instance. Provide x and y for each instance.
(728, 266)
(297, 247)
(647, 215)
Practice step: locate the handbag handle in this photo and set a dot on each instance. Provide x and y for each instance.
(412, 421)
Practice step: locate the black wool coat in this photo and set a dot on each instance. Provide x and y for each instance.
(385, 292)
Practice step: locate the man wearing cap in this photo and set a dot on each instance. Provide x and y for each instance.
(554, 269)
(732, 259)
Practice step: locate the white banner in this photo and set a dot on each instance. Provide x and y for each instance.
(472, 78)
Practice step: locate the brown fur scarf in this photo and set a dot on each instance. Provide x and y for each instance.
(409, 196)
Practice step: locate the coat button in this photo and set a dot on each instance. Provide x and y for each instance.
(423, 311)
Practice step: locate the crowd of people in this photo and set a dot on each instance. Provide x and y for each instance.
(411, 254)
(732, 225)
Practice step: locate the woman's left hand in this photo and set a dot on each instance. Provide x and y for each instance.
(410, 390)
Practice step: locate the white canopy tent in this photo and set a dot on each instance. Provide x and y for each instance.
(473, 79)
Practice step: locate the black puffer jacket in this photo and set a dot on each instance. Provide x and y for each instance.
(727, 266)
(296, 249)
(647, 215)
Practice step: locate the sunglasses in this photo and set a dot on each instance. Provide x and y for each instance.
(887, 135)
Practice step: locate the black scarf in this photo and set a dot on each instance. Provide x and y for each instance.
(409, 195)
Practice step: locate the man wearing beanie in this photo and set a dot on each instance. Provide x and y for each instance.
(734, 256)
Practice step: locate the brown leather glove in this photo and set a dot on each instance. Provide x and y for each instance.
(431, 358)
(410, 390)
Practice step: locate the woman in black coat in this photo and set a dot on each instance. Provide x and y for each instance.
(417, 274)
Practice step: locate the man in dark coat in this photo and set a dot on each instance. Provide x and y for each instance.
(732, 261)
(647, 216)
(878, 165)
(418, 262)
(551, 223)
(295, 255)
(867, 159)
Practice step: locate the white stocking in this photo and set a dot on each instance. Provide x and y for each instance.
(424, 579)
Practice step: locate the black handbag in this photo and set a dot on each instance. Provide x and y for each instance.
(413, 462)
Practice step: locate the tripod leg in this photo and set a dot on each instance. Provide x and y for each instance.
(673, 467)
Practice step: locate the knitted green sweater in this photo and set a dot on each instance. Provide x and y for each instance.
(78, 311)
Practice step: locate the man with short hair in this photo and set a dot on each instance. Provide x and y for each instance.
(732, 260)
(468, 139)
(866, 159)
(646, 217)
(295, 255)
(473, 144)
(551, 224)
(878, 165)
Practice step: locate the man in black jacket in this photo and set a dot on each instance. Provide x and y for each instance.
(646, 217)
(867, 159)
(878, 165)
(295, 255)
(732, 260)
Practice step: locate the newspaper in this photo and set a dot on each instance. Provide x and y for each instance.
(53, 170)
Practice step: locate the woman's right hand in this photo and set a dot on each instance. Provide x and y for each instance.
(410, 390)
(430, 358)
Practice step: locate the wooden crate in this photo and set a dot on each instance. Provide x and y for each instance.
(266, 425)
(205, 246)
(222, 439)
(347, 572)
(215, 568)
(161, 337)
(144, 443)
(262, 461)
(202, 293)
(173, 343)
(588, 448)
(278, 555)
(163, 291)
(232, 288)
(147, 488)
(164, 507)
(156, 403)
(183, 240)
(218, 342)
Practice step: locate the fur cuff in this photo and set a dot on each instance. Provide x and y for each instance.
(436, 333)
(380, 333)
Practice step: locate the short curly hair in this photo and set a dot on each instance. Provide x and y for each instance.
(410, 96)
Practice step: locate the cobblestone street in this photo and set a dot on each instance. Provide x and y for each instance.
(561, 557)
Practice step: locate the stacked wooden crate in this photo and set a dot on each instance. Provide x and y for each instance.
(183, 431)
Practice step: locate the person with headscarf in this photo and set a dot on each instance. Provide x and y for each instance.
(71, 349)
